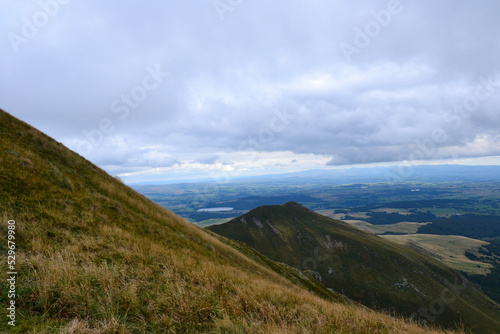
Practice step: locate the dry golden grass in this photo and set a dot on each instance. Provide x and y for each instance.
(117, 282)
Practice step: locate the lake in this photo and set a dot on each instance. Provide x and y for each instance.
(215, 209)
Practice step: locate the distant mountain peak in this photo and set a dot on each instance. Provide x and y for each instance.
(294, 204)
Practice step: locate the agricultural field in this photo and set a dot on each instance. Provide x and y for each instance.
(450, 249)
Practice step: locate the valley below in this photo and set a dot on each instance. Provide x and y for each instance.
(455, 222)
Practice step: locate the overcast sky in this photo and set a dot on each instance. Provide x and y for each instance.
(177, 89)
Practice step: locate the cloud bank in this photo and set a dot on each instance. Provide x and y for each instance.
(152, 87)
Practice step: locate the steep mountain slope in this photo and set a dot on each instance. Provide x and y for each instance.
(366, 268)
(93, 256)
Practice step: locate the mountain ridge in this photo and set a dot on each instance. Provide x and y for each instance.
(364, 267)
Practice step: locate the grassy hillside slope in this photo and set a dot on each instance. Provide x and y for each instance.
(364, 267)
(450, 249)
(93, 256)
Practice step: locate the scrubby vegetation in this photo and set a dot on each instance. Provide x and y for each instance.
(483, 226)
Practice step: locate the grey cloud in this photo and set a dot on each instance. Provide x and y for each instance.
(228, 78)
(208, 160)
